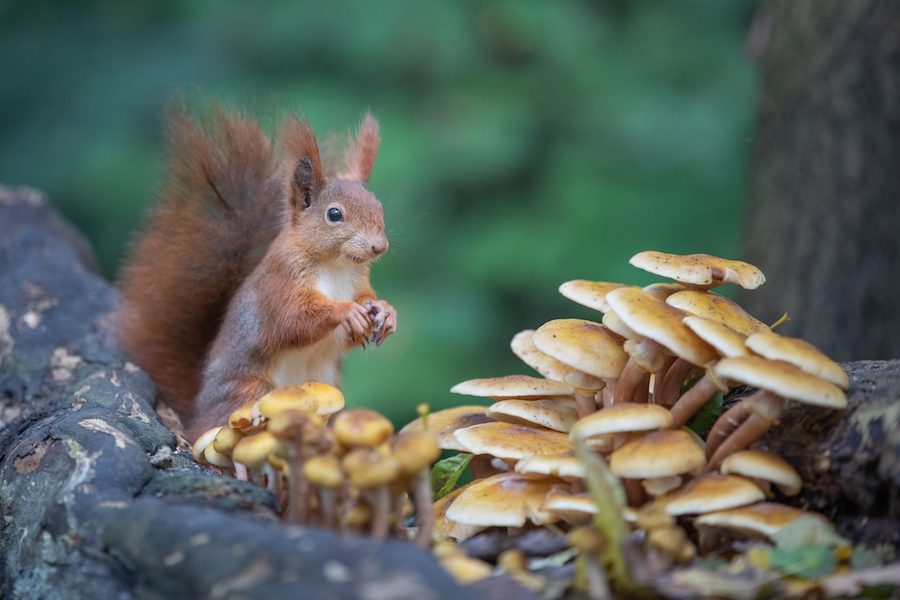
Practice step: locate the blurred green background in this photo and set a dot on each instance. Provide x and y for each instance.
(524, 143)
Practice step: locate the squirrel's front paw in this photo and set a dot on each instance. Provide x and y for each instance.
(357, 323)
(384, 320)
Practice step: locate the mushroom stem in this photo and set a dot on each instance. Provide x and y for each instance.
(634, 491)
(628, 380)
(660, 378)
(327, 503)
(423, 499)
(481, 466)
(642, 390)
(381, 509)
(761, 414)
(584, 403)
(240, 472)
(298, 488)
(672, 382)
(692, 401)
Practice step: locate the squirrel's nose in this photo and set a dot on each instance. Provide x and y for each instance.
(379, 248)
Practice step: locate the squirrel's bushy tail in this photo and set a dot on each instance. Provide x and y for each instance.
(219, 211)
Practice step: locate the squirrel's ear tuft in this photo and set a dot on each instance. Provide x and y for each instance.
(299, 143)
(359, 158)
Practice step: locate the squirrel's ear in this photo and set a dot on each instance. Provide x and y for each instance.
(298, 140)
(360, 154)
(303, 185)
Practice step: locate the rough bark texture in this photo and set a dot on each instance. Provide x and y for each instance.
(824, 211)
(850, 460)
(96, 500)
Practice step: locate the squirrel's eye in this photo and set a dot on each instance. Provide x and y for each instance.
(335, 215)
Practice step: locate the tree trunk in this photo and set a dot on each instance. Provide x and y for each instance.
(96, 499)
(824, 211)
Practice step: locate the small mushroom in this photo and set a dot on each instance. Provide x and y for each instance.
(372, 472)
(513, 386)
(710, 493)
(512, 442)
(444, 423)
(558, 415)
(765, 469)
(362, 427)
(502, 500)
(660, 458)
(324, 472)
(799, 353)
(415, 452)
(759, 520)
(575, 509)
(523, 346)
(699, 270)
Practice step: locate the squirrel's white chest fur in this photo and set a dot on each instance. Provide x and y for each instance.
(320, 361)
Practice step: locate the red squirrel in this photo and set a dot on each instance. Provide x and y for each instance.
(253, 272)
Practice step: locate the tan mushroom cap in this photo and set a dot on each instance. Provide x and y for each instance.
(362, 427)
(658, 454)
(286, 398)
(414, 451)
(662, 291)
(589, 293)
(559, 465)
(253, 450)
(523, 346)
(513, 386)
(324, 470)
(765, 466)
(571, 508)
(656, 320)
(444, 423)
(799, 353)
(764, 518)
(584, 345)
(615, 324)
(203, 440)
(330, 399)
(216, 458)
(246, 418)
(622, 418)
(726, 341)
(710, 493)
(781, 378)
(558, 415)
(699, 269)
(367, 467)
(512, 442)
(716, 308)
(502, 500)
(446, 528)
(226, 439)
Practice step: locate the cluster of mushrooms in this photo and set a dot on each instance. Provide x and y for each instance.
(340, 469)
(626, 387)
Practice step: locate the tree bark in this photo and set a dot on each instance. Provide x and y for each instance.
(97, 500)
(824, 208)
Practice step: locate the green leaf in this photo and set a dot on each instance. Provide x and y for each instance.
(703, 419)
(808, 531)
(446, 473)
(867, 558)
(808, 562)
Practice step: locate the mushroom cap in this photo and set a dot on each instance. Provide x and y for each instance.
(764, 518)
(658, 454)
(367, 467)
(656, 320)
(414, 451)
(253, 450)
(716, 308)
(725, 340)
(558, 415)
(621, 418)
(330, 399)
(203, 440)
(712, 492)
(523, 346)
(513, 386)
(756, 464)
(246, 418)
(465, 569)
(661, 291)
(502, 500)
(512, 442)
(572, 508)
(226, 439)
(558, 465)
(446, 528)
(614, 323)
(699, 269)
(589, 293)
(286, 398)
(362, 427)
(799, 353)
(216, 458)
(584, 345)
(781, 378)
(444, 424)
(323, 470)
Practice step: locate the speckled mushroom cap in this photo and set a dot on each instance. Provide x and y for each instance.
(362, 427)
(513, 386)
(710, 493)
(444, 423)
(558, 415)
(765, 466)
(716, 308)
(559, 465)
(612, 322)
(662, 291)
(799, 353)
(699, 269)
(584, 345)
(656, 320)
(621, 418)
(414, 451)
(502, 500)
(658, 454)
(523, 346)
(323, 470)
(443, 527)
(512, 442)
(329, 398)
(764, 518)
(367, 467)
(589, 293)
(286, 398)
(725, 340)
(782, 379)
